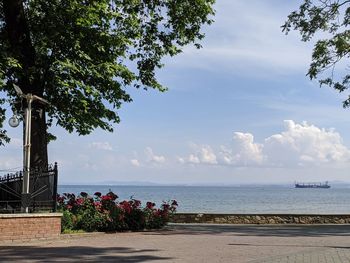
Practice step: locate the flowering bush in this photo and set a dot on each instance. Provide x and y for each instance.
(105, 213)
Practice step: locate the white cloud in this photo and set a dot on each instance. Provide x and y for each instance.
(244, 150)
(298, 145)
(193, 159)
(135, 162)
(101, 146)
(204, 154)
(151, 157)
(180, 160)
(302, 144)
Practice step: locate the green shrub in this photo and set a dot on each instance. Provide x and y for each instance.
(67, 221)
(115, 221)
(135, 220)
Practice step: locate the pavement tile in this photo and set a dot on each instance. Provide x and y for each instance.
(331, 255)
(194, 243)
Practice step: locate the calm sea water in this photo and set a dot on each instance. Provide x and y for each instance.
(269, 199)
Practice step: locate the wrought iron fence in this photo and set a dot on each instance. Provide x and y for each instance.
(43, 191)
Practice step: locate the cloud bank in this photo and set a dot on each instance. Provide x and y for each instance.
(300, 144)
(203, 154)
(152, 157)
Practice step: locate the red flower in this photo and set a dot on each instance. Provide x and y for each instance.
(97, 205)
(150, 205)
(80, 201)
(106, 198)
(60, 199)
(165, 206)
(157, 212)
(136, 203)
(126, 207)
(112, 195)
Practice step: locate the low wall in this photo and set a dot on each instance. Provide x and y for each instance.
(27, 227)
(260, 218)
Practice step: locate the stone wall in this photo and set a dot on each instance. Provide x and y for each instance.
(26, 227)
(260, 218)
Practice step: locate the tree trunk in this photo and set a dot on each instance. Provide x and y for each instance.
(21, 47)
(39, 156)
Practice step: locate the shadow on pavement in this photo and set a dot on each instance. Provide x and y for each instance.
(256, 230)
(76, 254)
(287, 245)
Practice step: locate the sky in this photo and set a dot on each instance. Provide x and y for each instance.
(241, 110)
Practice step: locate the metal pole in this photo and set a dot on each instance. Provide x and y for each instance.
(26, 196)
(55, 187)
(26, 159)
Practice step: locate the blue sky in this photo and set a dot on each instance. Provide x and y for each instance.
(240, 110)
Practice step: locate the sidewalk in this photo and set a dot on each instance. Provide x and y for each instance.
(195, 243)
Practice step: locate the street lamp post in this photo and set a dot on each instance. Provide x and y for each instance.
(26, 196)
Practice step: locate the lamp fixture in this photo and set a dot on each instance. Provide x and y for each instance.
(14, 121)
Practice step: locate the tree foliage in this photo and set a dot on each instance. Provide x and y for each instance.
(331, 18)
(82, 55)
(3, 137)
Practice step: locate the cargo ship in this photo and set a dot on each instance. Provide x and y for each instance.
(312, 185)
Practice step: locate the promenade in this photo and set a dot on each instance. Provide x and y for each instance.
(194, 243)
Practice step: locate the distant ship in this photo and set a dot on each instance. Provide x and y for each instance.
(312, 185)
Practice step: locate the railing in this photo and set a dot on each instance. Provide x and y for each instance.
(43, 191)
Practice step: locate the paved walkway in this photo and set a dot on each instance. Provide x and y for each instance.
(194, 243)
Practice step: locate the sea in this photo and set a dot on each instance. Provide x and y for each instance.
(231, 199)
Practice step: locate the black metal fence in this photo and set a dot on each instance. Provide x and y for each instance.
(43, 190)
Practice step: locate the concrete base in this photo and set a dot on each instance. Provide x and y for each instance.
(260, 218)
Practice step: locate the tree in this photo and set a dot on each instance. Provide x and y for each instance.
(82, 55)
(331, 18)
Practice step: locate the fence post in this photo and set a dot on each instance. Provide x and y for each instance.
(55, 180)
